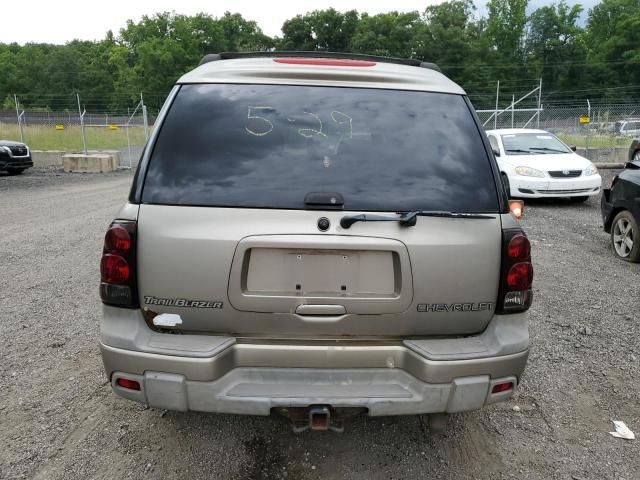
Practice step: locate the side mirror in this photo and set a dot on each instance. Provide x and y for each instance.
(573, 147)
(496, 152)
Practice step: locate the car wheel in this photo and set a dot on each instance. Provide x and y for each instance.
(625, 237)
(578, 199)
(15, 171)
(636, 156)
(505, 184)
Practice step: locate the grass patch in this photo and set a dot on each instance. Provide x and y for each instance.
(41, 137)
(595, 141)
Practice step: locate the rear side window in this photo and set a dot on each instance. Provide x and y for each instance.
(268, 146)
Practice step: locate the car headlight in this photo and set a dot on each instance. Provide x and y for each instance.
(529, 172)
(590, 170)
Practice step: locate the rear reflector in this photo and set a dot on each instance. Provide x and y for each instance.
(502, 387)
(128, 384)
(328, 62)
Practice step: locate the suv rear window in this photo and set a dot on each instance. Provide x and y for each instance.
(268, 146)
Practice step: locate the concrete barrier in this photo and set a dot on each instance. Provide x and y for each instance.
(53, 158)
(91, 163)
(615, 155)
(47, 158)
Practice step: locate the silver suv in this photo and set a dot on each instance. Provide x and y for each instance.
(316, 235)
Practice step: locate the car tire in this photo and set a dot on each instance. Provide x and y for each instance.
(625, 237)
(15, 171)
(505, 184)
(636, 156)
(579, 199)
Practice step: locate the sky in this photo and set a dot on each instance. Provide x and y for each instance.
(58, 22)
(61, 21)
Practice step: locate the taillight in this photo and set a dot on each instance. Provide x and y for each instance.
(519, 247)
(118, 284)
(613, 182)
(114, 269)
(520, 276)
(517, 273)
(117, 239)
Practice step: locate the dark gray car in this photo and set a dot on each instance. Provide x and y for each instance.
(15, 157)
(620, 207)
(634, 150)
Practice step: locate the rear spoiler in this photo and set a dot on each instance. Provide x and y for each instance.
(411, 62)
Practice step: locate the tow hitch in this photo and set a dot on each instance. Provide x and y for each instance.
(318, 418)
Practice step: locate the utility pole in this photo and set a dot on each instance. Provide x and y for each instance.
(539, 102)
(84, 140)
(19, 116)
(144, 118)
(495, 118)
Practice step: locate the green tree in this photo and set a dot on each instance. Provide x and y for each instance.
(601, 61)
(390, 34)
(153, 53)
(555, 46)
(613, 41)
(506, 26)
(327, 30)
(450, 38)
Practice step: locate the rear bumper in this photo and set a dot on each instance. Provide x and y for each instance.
(228, 375)
(255, 391)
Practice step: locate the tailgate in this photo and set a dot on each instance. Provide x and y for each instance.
(272, 273)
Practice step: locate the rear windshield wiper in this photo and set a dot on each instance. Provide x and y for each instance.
(407, 219)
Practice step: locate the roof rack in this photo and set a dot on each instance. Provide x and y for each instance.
(212, 57)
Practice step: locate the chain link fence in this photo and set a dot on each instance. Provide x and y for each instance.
(75, 131)
(602, 132)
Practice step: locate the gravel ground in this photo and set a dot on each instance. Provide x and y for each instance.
(59, 419)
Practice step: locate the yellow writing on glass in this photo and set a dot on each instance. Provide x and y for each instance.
(310, 132)
(266, 123)
(343, 119)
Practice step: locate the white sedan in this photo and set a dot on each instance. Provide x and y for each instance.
(536, 164)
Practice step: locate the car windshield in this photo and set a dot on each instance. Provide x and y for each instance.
(532, 144)
(271, 146)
